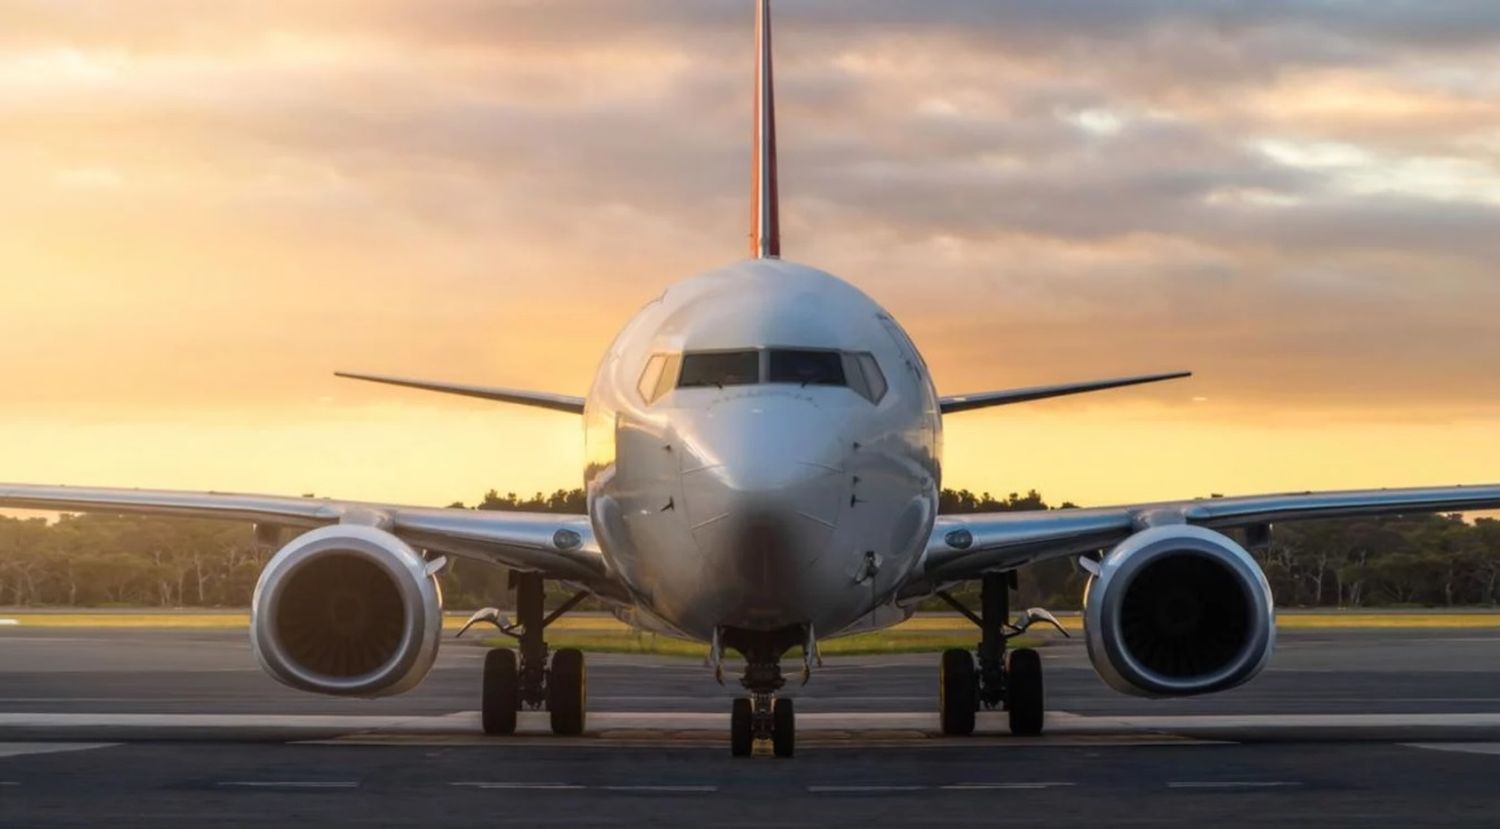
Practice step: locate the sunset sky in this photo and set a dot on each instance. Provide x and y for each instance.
(207, 208)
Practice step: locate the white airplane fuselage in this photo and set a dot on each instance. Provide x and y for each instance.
(762, 505)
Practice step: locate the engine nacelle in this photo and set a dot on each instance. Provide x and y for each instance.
(1178, 610)
(349, 611)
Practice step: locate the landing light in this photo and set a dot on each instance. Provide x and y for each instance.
(567, 540)
(959, 539)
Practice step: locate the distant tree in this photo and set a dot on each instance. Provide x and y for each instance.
(94, 560)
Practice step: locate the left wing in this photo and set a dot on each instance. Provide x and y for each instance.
(561, 546)
(964, 546)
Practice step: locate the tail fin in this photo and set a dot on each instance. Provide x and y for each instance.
(765, 200)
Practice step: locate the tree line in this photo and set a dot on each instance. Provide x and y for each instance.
(134, 561)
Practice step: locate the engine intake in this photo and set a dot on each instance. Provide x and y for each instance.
(347, 611)
(1178, 610)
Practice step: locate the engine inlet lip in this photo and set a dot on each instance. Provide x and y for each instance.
(364, 543)
(1155, 545)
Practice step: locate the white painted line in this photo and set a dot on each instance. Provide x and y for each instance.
(1231, 784)
(863, 789)
(23, 749)
(664, 789)
(971, 787)
(9, 622)
(519, 786)
(1463, 748)
(290, 784)
(1285, 721)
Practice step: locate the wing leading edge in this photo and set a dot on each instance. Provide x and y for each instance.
(963, 546)
(562, 546)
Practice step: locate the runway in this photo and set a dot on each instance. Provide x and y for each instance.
(158, 728)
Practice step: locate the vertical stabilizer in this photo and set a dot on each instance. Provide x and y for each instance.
(765, 200)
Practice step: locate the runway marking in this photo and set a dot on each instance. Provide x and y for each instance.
(826, 730)
(1231, 784)
(23, 749)
(1463, 748)
(9, 622)
(519, 786)
(866, 789)
(972, 787)
(290, 784)
(663, 789)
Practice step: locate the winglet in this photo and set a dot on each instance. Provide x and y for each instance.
(765, 198)
(541, 400)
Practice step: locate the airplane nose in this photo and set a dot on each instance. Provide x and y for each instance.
(764, 484)
(765, 458)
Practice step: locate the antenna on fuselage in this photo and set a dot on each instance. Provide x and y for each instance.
(765, 200)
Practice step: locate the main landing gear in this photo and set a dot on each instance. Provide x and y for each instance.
(511, 684)
(762, 716)
(1012, 681)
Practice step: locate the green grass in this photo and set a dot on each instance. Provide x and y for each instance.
(887, 641)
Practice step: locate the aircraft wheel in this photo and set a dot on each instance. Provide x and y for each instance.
(499, 700)
(568, 692)
(957, 692)
(784, 729)
(1024, 698)
(741, 728)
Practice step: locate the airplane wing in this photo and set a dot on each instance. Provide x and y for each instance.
(541, 400)
(984, 400)
(964, 546)
(560, 546)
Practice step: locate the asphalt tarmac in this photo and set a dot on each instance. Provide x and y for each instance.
(180, 728)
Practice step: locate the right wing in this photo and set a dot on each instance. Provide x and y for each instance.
(560, 546)
(541, 400)
(966, 546)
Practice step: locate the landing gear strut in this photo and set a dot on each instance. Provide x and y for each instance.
(762, 716)
(1011, 680)
(530, 682)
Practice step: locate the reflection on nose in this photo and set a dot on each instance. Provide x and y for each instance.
(765, 485)
(766, 461)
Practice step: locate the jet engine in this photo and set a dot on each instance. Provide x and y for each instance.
(348, 611)
(1176, 611)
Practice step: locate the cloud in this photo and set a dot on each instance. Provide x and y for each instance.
(1299, 195)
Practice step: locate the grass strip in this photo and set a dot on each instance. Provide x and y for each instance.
(938, 626)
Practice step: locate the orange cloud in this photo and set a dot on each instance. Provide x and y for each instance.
(207, 211)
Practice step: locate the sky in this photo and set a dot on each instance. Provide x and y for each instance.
(210, 207)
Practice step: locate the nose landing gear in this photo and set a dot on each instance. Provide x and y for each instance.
(762, 716)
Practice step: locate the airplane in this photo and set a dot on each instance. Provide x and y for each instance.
(763, 467)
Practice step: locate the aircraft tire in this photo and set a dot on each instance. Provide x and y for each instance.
(1024, 693)
(784, 729)
(568, 692)
(957, 692)
(741, 728)
(499, 699)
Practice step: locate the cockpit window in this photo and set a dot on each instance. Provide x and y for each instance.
(855, 370)
(807, 368)
(651, 378)
(720, 368)
(875, 385)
